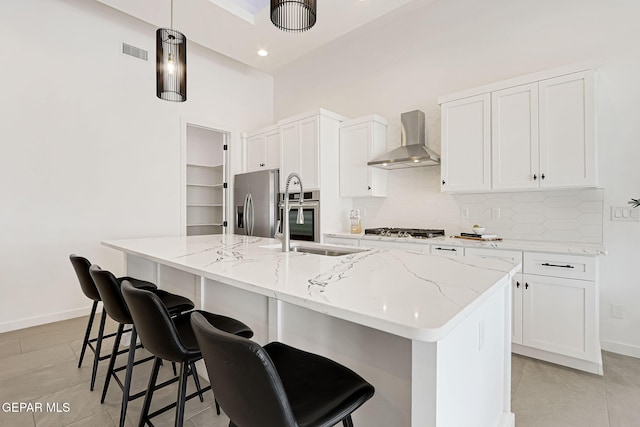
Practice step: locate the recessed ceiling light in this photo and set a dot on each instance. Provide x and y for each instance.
(263, 52)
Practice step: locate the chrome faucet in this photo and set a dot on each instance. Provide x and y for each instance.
(285, 236)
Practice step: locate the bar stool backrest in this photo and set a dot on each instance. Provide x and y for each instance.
(81, 266)
(153, 323)
(109, 289)
(244, 379)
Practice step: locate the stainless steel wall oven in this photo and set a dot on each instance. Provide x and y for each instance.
(310, 230)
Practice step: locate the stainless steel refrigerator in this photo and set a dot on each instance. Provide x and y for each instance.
(256, 202)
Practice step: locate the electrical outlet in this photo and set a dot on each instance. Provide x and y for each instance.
(464, 213)
(495, 213)
(617, 311)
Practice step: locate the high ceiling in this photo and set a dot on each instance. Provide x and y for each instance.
(239, 28)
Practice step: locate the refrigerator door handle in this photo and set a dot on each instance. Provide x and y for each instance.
(246, 213)
(252, 215)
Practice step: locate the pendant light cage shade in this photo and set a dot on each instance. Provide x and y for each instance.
(171, 65)
(293, 15)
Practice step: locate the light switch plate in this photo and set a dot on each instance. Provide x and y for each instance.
(625, 214)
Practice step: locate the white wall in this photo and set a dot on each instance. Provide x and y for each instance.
(87, 151)
(405, 60)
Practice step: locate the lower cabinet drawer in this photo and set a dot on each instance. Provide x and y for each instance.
(514, 256)
(560, 265)
(410, 247)
(446, 250)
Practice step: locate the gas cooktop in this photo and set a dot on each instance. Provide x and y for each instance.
(420, 233)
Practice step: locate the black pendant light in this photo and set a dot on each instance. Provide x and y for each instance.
(293, 15)
(171, 64)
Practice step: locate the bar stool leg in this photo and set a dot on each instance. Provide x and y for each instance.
(347, 422)
(96, 356)
(196, 380)
(87, 334)
(182, 393)
(127, 381)
(112, 362)
(147, 398)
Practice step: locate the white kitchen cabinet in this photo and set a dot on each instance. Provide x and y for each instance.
(542, 134)
(539, 131)
(300, 153)
(567, 131)
(305, 141)
(447, 250)
(514, 137)
(555, 307)
(517, 285)
(466, 144)
(559, 316)
(560, 310)
(263, 149)
(361, 140)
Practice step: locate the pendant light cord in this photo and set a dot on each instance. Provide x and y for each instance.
(171, 15)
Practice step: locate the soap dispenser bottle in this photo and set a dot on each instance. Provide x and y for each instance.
(354, 220)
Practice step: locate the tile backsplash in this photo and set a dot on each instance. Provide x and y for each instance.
(414, 200)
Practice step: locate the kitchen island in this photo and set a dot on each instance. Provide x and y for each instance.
(431, 333)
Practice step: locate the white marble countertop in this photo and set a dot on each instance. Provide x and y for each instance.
(420, 297)
(572, 248)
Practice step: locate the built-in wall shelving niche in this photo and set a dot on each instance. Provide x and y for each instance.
(205, 178)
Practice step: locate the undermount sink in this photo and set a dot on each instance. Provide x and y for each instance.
(325, 250)
(333, 251)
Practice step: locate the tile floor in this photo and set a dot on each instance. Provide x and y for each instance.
(39, 364)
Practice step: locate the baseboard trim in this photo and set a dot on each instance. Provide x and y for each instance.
(621, 348)
(594, 367)
(508, 419)
(47, 318)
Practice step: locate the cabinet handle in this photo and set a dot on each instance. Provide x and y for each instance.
(445, 249)
(518, 285)
(546, 264)
(542, 176)
(535, 176)
(261, 165)
(443, 183)
(526, 286)
(368, 187)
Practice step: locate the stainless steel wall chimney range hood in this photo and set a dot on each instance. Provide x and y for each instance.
(412, 152)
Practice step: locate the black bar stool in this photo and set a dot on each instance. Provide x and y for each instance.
(81, 266)
(109, 289)
(172, 340)
(277, 385)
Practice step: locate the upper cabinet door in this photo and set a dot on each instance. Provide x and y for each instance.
(567, 131)
(355, 175)
(299, 143)
(289, 155)
(272, 149)
(361, 140)
(514, 137)
(263, 150)
(309, 154)
(466, 144)
(255, 153)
